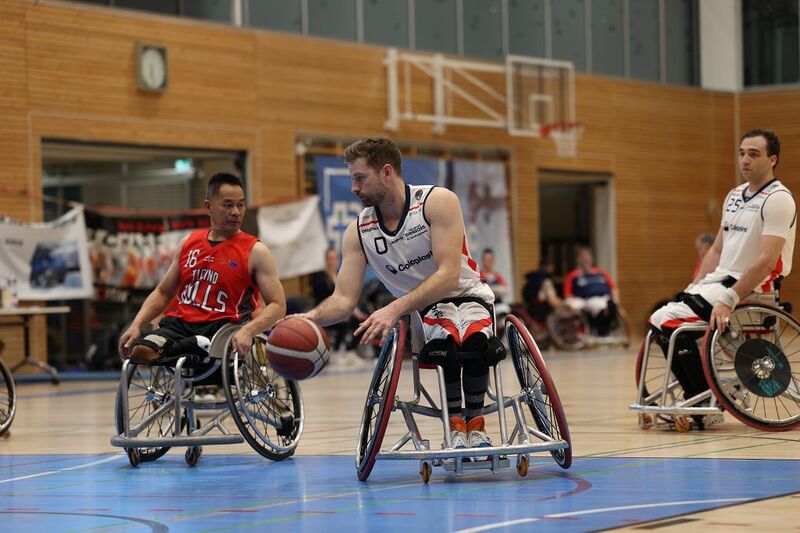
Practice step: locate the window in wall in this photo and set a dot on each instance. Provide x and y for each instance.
(770, 42)
(99, 2)
(526, 30)
(680, 27)
(644, 40)
(332, 18)
(435, 23)
(607, 38)
(283, 15)
(168, 7)
(569, 31)
(386, 22)
(219, 10)
(483, 29)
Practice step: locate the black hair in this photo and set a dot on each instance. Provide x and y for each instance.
(217, 180)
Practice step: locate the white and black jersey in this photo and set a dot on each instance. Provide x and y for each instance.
(746, 217)
(402, 259)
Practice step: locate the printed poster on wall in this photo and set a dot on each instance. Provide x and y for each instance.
(482, 188)
(46, 260)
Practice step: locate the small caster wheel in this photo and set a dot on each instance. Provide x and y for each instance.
(425, 472)
(522, 466)
(682, 424)
(193, 455)
(134, 456)
(7, 435)
(645, 421)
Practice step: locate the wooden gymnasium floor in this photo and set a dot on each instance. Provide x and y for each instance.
(59, 473)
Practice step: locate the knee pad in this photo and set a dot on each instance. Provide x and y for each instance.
(489, 351)
(441, 352)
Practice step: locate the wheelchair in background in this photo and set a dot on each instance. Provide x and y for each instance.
(157, 405)
(540, 424)
(8, 397)
(751, 370)
(571, 330)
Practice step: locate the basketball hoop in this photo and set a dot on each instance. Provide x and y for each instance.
(565, 135)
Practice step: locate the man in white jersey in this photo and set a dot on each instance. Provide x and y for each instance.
(414, 239)
(752, 252)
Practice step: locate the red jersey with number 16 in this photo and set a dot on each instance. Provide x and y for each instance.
(215, 279)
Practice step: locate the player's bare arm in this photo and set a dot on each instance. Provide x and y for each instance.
(265, 274)
(711, 259)
(771, 246)
(156, 301)
(443, 210)
(340, 305)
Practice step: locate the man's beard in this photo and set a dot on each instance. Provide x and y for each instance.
(373, 199)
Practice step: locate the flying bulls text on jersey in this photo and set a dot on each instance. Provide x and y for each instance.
(403, 259)
(745, 218)
(215, 279)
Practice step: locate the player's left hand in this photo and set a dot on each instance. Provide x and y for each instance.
(242, 341)
(720, 316)
(377, 325)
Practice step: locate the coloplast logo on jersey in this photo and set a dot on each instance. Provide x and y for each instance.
(391, 269)
(414, 262)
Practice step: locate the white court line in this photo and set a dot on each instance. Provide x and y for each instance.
(497, 525)
(50, 472)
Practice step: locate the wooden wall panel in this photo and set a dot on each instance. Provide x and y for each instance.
(668, 149)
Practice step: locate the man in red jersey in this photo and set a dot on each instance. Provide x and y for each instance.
(211, 281)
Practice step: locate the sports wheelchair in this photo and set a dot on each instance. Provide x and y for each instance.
(537, 396)
(748, 368)
(571, 330)
(8, 397)
(157, 403)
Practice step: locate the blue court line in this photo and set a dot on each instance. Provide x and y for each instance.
(314, 493)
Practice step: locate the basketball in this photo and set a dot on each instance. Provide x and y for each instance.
(298, 348)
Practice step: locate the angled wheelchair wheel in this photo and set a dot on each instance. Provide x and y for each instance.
(654, 383)
(149, 387)
(8, 398)
(538, 390)
(753, 367)
(266, 407)
(568, 329)
(380, 401)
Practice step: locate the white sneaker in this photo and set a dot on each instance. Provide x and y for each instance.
(476, 435)
(458, 433)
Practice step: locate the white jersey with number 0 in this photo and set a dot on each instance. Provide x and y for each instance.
(403, 259)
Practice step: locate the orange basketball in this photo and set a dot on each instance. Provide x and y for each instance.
(298, 348)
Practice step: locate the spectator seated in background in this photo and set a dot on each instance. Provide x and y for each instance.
(539, 293)
(591, 289)
(493, 279)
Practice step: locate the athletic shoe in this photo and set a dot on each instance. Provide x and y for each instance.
(458, 433)
(476, 435)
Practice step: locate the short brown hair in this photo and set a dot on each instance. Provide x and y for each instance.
(377, 151)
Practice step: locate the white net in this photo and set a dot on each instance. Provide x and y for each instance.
(565, 137)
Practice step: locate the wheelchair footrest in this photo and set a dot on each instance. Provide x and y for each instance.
(511, 449)
(157, 442)
(672, 410)
(484, 464)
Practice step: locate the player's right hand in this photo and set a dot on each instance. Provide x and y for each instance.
(126, 339)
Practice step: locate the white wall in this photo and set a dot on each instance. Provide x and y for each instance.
(721, 45)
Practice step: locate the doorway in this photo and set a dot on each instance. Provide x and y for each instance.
(576, 209)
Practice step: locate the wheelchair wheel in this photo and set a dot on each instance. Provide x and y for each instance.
(266, 407)
(568, 329)
(149, 387)
(8, 398)
(380, 401)
(538, 390)
(752, 367)
(654, 381)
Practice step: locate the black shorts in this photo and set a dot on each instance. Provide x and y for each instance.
(171, 329)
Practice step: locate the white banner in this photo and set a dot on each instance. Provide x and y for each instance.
(481, 186)
(295, 235)
(46, 260)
